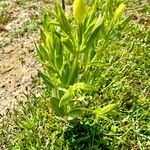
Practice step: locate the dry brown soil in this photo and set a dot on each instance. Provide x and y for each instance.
(18, 66)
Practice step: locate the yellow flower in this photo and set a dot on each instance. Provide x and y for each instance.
(119, 11)
(79, 10)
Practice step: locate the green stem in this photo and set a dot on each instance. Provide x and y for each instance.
(75, 65)
(98, 52)
(75, 61)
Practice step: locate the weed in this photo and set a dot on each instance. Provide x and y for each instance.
(21, 59)
(28, 26)
(5, 17)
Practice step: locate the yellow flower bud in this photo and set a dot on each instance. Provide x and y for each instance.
(79, 10)
(119, 11)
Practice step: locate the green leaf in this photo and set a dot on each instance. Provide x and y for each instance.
(124, 23)
(40, 54)
(85, 87)
(108, 9)
(43, 37)
(62, 19)
(105, 110)
(97, 64)
(49, 41)
(93, 12)
(50, 69)
(46, 22)
(70, 93)
(65, 74)
(75, 112)
(74, 75)
(89, 29)
(59, 54)
(94, 33)
(55, 106)
(66, 41)
(43, 52)
(46, 79)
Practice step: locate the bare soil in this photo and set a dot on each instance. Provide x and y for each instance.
(18, 66)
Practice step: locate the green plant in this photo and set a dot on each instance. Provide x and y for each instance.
(122, 77)
(69, 54)
(21, 59)
(28, 26)
(5, 17)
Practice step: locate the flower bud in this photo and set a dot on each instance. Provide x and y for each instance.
(79, 10)
(119, 11)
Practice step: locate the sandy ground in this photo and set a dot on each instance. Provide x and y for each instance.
(18, 66)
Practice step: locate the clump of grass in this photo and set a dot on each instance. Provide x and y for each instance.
(5, 17)
(30, 125)
(28, 26)
(33, 125)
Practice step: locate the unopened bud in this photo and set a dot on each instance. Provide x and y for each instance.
(119, 11)
(79, 10)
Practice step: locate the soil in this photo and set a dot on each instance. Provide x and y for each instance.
(18, 66)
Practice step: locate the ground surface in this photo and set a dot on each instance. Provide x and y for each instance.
(18, 67)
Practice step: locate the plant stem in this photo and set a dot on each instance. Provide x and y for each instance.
(75, 65)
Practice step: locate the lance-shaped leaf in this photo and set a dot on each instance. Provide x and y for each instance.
(89, 29)
(124, 23)
(43, 37)
(66, 41)
(59, 55)
(50, 44)
(93, 13)
(62, 19)
(46, 79)
(46, 22)
(102, 111)
(70, 93)
(75, 112)
(44, 53)
(55, 106)
(91, 38)
(65, 74)
(85, 87)
(40, 54)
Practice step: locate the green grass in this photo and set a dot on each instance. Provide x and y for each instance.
(5, 16)
(33, 126)
(28, 26)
